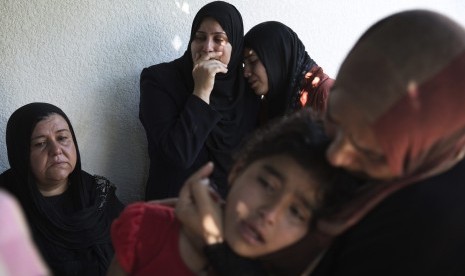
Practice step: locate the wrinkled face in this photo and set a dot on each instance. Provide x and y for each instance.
(255, 72)
(354, 146)
(53, 154)
(269, 206)
(209, 38)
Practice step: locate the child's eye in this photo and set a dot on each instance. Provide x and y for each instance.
(265, 184)
(297, 213)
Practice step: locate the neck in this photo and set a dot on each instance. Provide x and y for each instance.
(53, 189)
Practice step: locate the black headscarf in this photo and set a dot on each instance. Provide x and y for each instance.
(228, 95)
(88, 226)
(286, 62)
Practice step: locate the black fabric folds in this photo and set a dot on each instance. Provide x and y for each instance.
(85, 228)
(184, 133)
(286, 62)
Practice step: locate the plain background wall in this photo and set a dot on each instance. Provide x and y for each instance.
(86, 56)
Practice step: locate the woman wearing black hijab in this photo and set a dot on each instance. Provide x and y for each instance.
(196, 108)
(279, 69)
(68, 210)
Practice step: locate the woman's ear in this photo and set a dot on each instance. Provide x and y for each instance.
(235, 171)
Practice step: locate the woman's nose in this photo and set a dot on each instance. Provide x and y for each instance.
(55, 148)
(341, 153)
(208, 45)
(247, 71)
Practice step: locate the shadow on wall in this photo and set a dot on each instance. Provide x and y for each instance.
(122, 157)
(86, 58)
(4, 165)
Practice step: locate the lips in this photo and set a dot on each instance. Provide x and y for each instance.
(57, 163)
(250, 233)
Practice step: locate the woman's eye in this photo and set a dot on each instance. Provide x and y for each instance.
(220, 40)
(62, 138)
(199, 38)
(39, 144)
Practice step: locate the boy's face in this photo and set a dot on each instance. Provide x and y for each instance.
(269, 206)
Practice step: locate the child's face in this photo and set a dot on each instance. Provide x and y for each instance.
(269, 206)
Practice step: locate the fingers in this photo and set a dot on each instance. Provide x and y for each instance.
(209, 211)
(202, 173)
(201, 192)
(207, 56)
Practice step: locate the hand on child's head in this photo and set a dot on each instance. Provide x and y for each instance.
(199, 208)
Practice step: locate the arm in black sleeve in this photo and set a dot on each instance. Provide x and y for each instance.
(419, 230)
(177, 122)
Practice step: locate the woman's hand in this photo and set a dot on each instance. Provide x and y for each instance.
(206, 66)
(199, 208)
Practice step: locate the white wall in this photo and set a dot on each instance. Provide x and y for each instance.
(86, 56)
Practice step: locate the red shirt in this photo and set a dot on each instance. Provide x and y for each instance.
(146, 241)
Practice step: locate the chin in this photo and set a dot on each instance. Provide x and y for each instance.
(241, 250)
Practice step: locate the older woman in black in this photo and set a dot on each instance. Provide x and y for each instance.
(68, 210)
(196, 108)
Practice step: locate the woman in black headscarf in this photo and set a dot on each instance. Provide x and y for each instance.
(196, 108)
(68, 210)
(279, 69)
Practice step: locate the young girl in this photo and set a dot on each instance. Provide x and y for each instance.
(278, 184)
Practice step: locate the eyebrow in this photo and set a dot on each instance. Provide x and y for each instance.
(214, 33)
(281, 177)
(58, 131)
(271, 170)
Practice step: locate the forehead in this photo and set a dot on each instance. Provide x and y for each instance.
(249, 52)
(52, 122)
(210, 25)
(295, 178)
(343, 110)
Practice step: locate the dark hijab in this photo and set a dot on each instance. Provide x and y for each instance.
(228, 95)
(87, 226)
(286, 62)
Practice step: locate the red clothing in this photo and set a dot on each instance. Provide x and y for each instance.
(146, 241)
(314, 92)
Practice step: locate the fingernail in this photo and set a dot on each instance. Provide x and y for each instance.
(205, 181)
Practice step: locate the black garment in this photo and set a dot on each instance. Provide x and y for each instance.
(72, 229)
(286, 62)
(419, 230)
(223, 261)
(184, 132)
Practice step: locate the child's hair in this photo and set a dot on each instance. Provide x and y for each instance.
(298, 136)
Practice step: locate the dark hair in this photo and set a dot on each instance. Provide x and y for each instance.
(300, 137)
